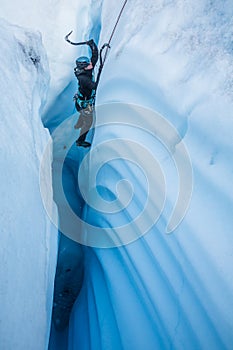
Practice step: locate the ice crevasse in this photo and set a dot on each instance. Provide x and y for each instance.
(166, 84)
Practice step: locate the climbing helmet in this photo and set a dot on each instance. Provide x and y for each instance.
(82, 62)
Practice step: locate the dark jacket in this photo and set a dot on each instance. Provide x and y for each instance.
(86, 84)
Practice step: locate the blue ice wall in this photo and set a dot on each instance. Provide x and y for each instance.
(160, 291)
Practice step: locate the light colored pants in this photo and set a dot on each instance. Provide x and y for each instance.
(84, 122)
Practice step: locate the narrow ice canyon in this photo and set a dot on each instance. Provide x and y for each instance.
(143, 255)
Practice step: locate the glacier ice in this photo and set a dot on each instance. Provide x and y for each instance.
(28, 239)
(161, 291)
(165, 291)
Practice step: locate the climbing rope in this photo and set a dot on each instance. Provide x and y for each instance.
(113, 31)
(107, 45)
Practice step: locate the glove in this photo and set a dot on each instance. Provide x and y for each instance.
(106, 45)
(90, 42)
(75, 97)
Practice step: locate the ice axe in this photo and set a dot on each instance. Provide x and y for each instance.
(71, 42)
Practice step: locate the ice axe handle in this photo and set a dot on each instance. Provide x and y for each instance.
(71, 42)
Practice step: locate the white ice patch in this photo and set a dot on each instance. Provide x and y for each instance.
(28, 245)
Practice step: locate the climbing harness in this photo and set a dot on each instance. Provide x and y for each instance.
(83, 102)
(105, 46)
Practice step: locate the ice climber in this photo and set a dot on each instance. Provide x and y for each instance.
(85, 97)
